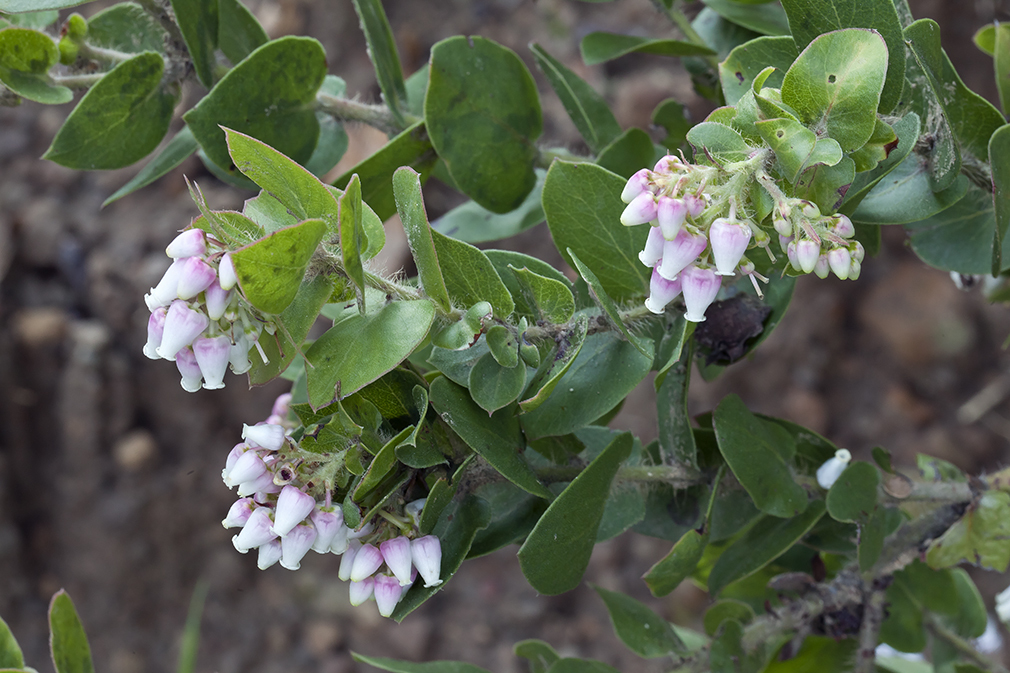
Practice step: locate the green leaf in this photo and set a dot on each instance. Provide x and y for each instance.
(497, 439)
(604, 301)
(605, 370)
(10, 651)
(599, 47)
(853, 496)
(671, 116)
(270, 270)
(973, 119)
(628, 153)
(569, 345)
(178, 149)
(981, 537)
(398, 666)
(119, 121)
(822, 654)
(197, 21)
(985, 38)
(667, 573)
(469, 275)
(960, 238)
(411, 148)
(503, 344)
(506, 261)
(484, 127)
(360, 349)
(877, 148)
(738, 71)
(586, 108)
(811, 18)
(835, 84)
(410, 205)
(768, 539)
(643, 631)
(905, 196)
(126, 27)
(759, 454)
(68, 642)
(999, 162)
(826, 185)
(550, 300)
(907, 130)
(25, 58)
(381, 464)
(724, 609)
(796, 147)
(382, 51)
(969, 618)
(573, 665)
(583, 208)
(728, 655)
(238, 32)
(493, 386)
(21, 6)
(539, 654)
(460, 336)
(556, 553)
(472, 223)
(764, 18)
(717, 143)
(269, 96)
(353, 239)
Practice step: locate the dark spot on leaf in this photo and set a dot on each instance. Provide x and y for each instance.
(890, 146)
(739, 76)
(780, 133)
(831, 79)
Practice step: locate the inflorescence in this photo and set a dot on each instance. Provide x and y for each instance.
(696, 237)
(283, 512)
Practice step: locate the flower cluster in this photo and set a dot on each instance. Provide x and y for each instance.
(816, 243)
(282, 514)
(688, 254)
(197, 318)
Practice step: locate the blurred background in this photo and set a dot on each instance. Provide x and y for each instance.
(110, 473)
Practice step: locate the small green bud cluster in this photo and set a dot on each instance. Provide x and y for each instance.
(817, 243)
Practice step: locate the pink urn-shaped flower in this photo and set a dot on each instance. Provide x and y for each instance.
(729, 241)
(699, 286)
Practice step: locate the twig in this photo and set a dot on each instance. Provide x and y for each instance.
(377, 116)
(869, 631)
(964, 648)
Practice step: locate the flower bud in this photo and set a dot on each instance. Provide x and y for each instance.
(671, 163)
(828, 473)
(413, 511)
(671, 214)
(293, 506)
(638, 183)
(269, 437)
(729, 243)
(822, 268)
(182, 325)
(359, 592)
(810, 210)
(426, 553)
(366, 562)
(807, 252)
(238, 355)
(396, 554)
(388, 591)
(653, 251)
(296, 544)
(282, 405)
(857, 251)
(347, 560)
(839, 261)
(167, 289)
(661, 292)
(190, 243)
(217, 299)
(340, 542)
(695, 204)
(700, 286)
(328, 522)
(854, 269)
(782, 225)
(192, 377)
(196, 276)
(226, 272)
(1003, 605)
(239, 513)
(259, 486)
(642, 209)
(842, 226)
(248, 467)
(255, 532)
(155, 330)
(680, 252)
(270, 553)
(212, 357)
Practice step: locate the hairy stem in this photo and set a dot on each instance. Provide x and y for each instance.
(683, 24)
(376, 116)
(964, 648)
(102, 54)
(78, 81)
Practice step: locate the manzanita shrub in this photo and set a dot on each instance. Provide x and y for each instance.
(443, 417)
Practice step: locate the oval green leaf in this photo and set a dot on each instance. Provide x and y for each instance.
(382, 51)
(853, 496)
(493, 386)
(271, 269)
(469, 275)
(643, 631)
(483, 116)
(410, 205)
(68, 642)
(743, 64)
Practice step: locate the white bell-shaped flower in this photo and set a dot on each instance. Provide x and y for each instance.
(828, 473)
